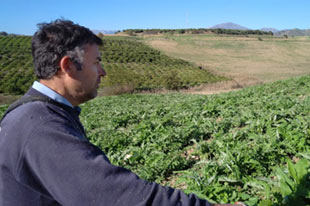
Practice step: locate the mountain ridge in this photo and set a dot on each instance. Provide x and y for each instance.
(276, 32)
(229, 25)
(97, 31)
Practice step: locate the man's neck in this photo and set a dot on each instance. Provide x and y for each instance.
(53, 91)
(59, 85)
(54, 85)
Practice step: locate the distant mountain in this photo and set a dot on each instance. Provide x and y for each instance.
(288, 32)
(273, 30)
(293, 32)
(104, 31)
(229, 25)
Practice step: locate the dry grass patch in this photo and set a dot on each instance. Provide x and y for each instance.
(237, 83)
(268, 60)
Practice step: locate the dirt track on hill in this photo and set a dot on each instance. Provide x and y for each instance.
(237, 83)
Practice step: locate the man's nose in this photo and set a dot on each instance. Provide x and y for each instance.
(101, 71)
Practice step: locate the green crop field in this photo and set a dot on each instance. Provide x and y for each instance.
(131, 66)
(16, 67)
(251, 145)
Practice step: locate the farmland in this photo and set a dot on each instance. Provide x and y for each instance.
(16, 67)
(242, 145)
(131, 66)
(251, 145)
(244, 58)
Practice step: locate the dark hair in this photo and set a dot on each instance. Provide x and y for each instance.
(54, 40)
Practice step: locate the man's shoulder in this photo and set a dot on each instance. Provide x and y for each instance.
(28, 113)
(34, 113)
(33, 108)
(35, 104)
(37, 118)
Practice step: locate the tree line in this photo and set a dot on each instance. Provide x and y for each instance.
(134, 32)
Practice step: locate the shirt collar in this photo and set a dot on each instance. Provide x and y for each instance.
(50, 93)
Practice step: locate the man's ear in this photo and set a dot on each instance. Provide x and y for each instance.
(66, 65)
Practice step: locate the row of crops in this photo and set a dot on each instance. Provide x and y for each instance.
(128, 63)
(16, 67)
(252, 145)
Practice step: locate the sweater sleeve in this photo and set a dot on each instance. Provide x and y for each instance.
(72, 172)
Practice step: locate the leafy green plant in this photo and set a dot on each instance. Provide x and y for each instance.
(294, 184)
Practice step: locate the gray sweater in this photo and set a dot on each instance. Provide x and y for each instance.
(46, 159)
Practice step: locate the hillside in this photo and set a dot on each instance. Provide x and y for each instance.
(273, 30)
(16, 73)
(293, 32)
(131, 66)
(97, 31)
(251, 145)
(288, 32)
(255, 58)
(229, 25)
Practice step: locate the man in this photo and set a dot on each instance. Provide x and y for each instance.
(45, 157)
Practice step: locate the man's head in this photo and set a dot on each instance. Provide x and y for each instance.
(57, 39)
(67, 59)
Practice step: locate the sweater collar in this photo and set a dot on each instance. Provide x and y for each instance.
(34, 92)
(50, 93)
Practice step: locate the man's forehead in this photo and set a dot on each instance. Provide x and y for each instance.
(92, 49)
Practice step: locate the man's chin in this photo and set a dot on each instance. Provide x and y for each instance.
(89, 96)
(94, 94)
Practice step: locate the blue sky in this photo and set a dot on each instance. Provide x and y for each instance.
(22, 16)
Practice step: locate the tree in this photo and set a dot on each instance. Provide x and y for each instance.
(181, 31)
(3, 33)
(100, 35)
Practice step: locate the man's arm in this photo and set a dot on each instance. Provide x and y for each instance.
(74, 172)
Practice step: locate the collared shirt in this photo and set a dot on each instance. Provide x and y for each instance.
(50, 93)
